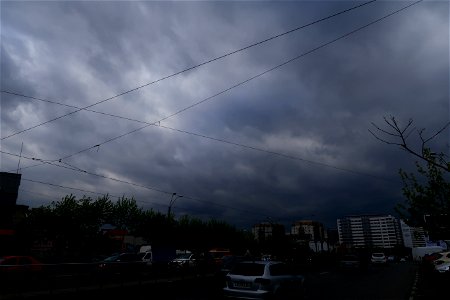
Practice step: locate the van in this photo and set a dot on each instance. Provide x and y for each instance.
(157, 255)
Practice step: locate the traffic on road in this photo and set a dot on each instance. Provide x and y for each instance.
(393, 280)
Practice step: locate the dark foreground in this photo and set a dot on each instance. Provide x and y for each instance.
(394, 281)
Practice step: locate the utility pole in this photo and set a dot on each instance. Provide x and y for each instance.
(172, 201)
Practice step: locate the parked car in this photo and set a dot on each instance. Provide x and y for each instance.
(442, 266)
(441, 262)
(184, 260)
(378, 258)
(19, 264)
(431, 258)
(350, 261)
(192, 262)
(122, 263)
(19, 268)
(218, 254)
(146, 257)
(392, 258)
(228, 262)
(263, 279)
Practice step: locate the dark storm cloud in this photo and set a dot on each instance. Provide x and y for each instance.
(309, 153)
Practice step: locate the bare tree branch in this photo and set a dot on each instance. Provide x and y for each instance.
(403, 133)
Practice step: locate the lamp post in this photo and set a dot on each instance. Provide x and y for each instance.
(172, 201)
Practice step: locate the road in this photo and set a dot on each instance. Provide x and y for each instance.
(391, 282)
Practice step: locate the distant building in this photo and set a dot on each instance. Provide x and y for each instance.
(332, 238)
(9, 188)
(10, 212)
(265, 230)
(370, 231)
(312, 232)
(412, 236)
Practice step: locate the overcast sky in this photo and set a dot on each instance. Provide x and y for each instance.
(240, 141)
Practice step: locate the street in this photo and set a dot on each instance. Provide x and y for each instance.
(392, 281)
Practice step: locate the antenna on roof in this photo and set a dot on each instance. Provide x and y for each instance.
(20, 156)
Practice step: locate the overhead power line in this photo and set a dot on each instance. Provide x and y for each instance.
(323, 45)
(293, 157)
(68, 187)
(251, 78)
(73, 168)
(225, 90)
(188, 69)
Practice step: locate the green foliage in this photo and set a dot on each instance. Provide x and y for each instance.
(74, 225)
(426, 194)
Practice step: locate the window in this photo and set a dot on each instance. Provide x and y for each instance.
(279, 270)
(248, 269)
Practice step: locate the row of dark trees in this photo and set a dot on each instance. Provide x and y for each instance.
(76, 231)
(74, 227)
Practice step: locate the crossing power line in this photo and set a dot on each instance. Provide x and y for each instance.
(260, 74)
(157, 123)
(187, 69)
(76, 169)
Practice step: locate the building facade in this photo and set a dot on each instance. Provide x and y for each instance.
(412, 236)
(266, 230)
(370, 231)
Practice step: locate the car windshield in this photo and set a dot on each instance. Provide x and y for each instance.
(184, 256)
(378, 255)
(248, 269)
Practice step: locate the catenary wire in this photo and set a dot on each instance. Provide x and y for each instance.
(342, 36)
(86, 191)
(190, 209)
(232, 87)
(126, 182)
(189, 69)
(200, 136)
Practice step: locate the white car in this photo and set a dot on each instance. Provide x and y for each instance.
(378, 258)
(442, 266)
(442, 263)
(263, 279)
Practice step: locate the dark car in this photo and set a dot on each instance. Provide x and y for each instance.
(350, 261)
(19, 264)
(192, 262)
(19, 268)
(122, 263)
(229, 261)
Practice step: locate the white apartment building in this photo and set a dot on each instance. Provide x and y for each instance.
(412, 236)
(369, 231)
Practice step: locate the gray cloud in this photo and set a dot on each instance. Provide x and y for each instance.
(317, 110)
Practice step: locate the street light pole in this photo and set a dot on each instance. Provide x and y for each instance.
(172, 201)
